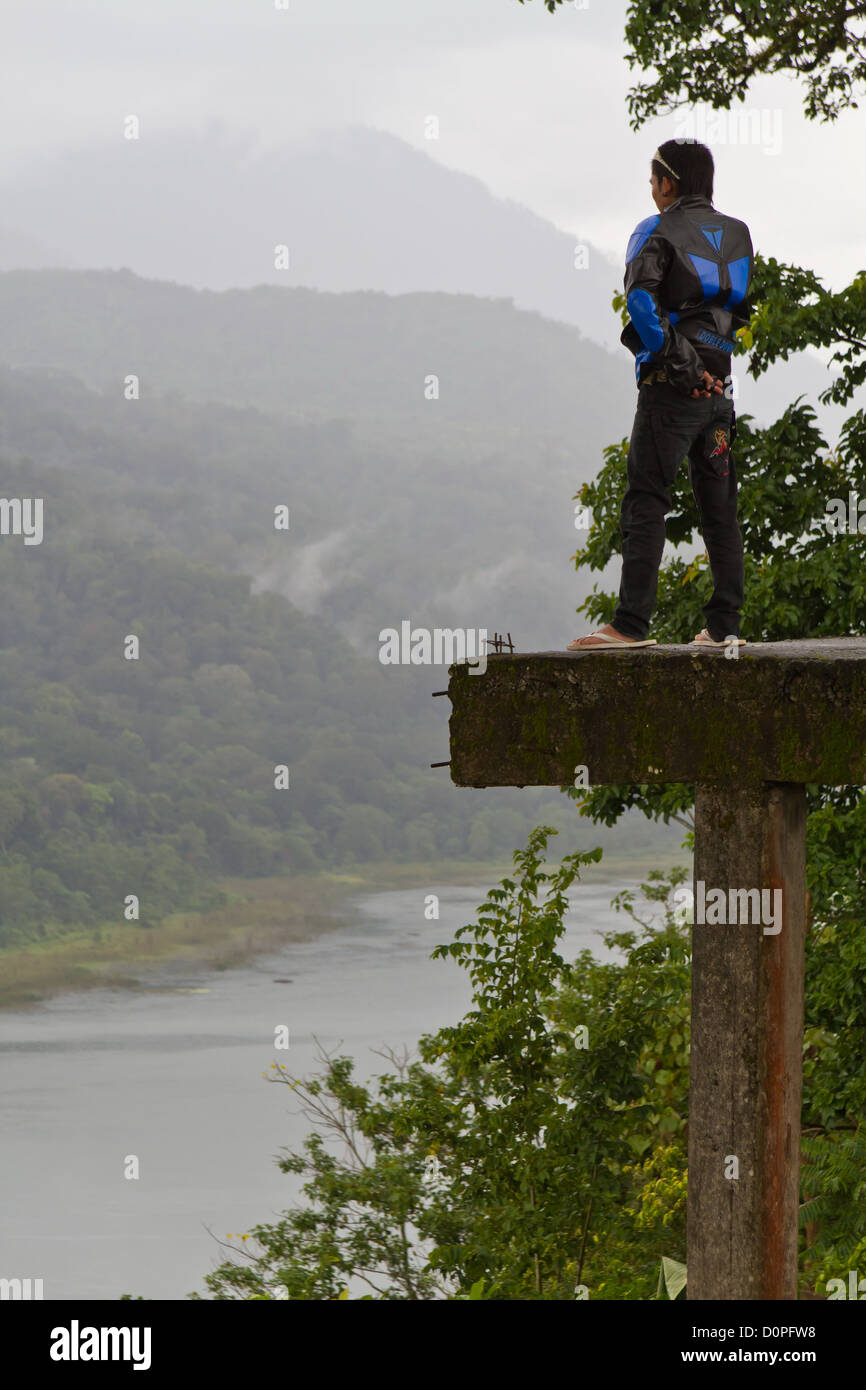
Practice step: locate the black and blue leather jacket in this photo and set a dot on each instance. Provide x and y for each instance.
(687, 278)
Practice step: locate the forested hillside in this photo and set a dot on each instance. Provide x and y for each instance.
(450, 511)
(155, 776)
(312, 354)
(258, 646)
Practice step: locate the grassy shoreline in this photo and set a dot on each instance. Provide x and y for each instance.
(261, 915)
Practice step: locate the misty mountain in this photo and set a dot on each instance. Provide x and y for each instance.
(357, 210)
(449, 510)
(456, 511)
(356, 207)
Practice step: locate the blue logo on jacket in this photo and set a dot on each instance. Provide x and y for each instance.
(713, 233)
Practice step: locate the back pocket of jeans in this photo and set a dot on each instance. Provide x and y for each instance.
(671, 440)
(716, 448)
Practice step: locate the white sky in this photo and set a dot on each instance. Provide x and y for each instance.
(532, 104)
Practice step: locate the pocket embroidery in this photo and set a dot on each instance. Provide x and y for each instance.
(721, 440)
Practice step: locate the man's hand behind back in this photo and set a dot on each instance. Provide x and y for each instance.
(712, 386)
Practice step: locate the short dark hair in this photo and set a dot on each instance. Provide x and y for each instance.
(693, 164)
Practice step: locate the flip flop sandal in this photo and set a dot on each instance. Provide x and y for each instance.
(606, 642)
(703, 639)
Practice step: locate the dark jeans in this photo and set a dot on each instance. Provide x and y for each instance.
(668, 426)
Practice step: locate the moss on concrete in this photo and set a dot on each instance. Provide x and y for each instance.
(793, 712)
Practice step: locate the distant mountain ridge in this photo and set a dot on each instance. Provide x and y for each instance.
(314, 354)
(359, 211)
(452, 510)
(456, 510)
(357, 208)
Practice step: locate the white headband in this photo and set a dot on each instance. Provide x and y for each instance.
(667, 166)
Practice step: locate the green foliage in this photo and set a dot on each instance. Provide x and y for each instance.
(833, 1190)
(143, 508)
(156, 776)
(794, 311)
(553, 1164)
(803, 579)
(833, 1199)
(535, 1150)
(711, 51)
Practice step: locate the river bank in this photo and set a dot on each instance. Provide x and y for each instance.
(179, 1073)
(261, 915)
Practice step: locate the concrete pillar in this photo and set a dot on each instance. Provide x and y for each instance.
(749, 734)
(746, 1049)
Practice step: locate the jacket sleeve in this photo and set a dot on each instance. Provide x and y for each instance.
(650, 335)
(741, 309)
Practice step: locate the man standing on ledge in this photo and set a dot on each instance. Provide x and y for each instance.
(687, 277)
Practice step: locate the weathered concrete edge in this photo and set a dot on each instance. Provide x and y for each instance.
(532, 719)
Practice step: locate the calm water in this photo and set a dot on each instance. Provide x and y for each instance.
(172, 1073)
